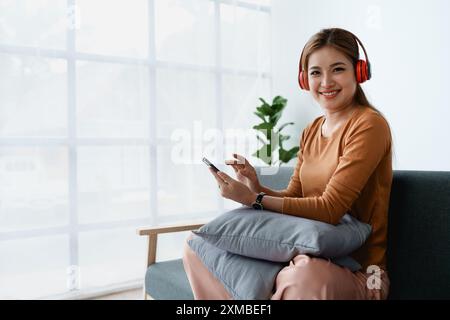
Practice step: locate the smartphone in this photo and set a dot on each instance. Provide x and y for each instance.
(209, 164)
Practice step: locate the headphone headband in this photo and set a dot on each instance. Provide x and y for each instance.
(365, 55)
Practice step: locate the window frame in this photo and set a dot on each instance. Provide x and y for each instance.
(72, 142)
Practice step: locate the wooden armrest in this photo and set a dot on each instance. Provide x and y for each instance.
(152, 233)
(146, 231)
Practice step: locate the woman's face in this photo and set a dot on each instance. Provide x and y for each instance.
(331, 78)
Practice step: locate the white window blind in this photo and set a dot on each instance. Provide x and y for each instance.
(90, 95)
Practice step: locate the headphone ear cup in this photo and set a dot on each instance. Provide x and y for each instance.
(302, 81)
(362, 71)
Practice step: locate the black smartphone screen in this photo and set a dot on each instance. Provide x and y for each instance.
(209, 164)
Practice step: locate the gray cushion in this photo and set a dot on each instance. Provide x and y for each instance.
(270, 236)
(243, 277)
(167, 280)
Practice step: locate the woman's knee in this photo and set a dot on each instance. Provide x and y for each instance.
(189, 237)
(187, 251)
(307, 278)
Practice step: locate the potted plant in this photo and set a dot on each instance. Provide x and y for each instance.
(270, 136)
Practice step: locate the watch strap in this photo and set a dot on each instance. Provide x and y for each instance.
(260, 197)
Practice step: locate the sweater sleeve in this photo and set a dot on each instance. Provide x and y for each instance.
(365, 146)
(294, 188)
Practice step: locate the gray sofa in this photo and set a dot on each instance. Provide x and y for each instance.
(418, 240)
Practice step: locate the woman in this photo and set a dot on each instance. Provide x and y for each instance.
(344, 165)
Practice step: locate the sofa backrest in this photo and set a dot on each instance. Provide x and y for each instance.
(419, 235)
(418, 254)
(274, 178)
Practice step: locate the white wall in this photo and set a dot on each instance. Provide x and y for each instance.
(409, 48)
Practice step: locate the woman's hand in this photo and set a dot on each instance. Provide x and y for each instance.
(233, 189)
(245, 172)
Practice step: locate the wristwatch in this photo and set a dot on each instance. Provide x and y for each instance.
(257, 205)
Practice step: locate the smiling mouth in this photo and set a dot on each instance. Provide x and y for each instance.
(330, 94)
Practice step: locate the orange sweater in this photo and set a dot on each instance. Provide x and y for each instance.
(350, 171)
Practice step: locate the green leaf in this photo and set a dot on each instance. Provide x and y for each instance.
(263, 101)
(265, 109)
(274, 119)
(279, 100)
(287, 155)
(284, 125)
(266, 126)
(279, 103)
(278, 107)
(261, 116)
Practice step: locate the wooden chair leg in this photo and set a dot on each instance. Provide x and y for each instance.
(151, 258)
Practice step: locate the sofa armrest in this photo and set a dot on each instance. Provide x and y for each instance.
(145, 231)
(152, 233)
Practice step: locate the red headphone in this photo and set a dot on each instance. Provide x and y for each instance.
(362, 69)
